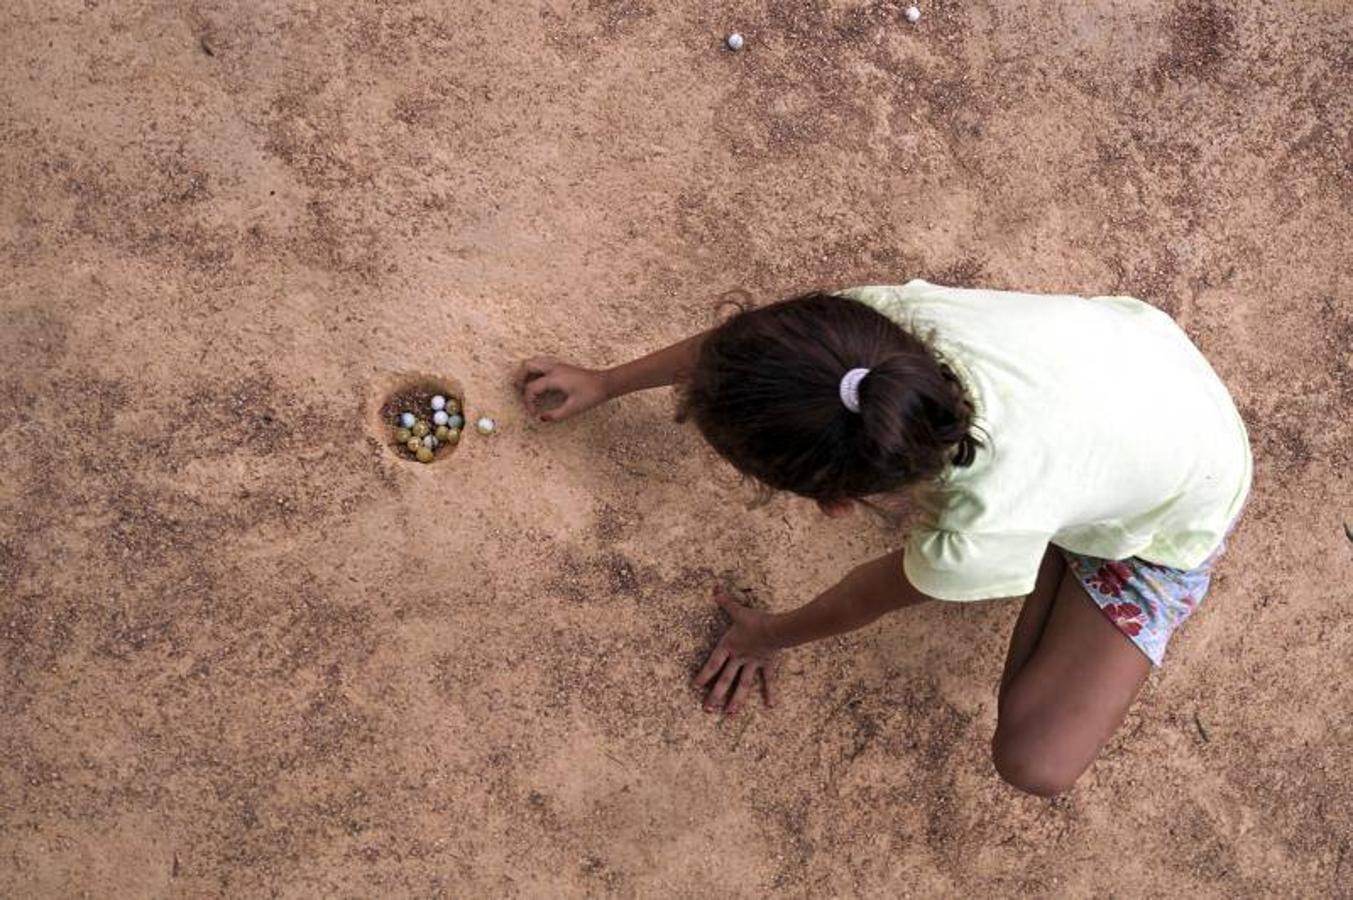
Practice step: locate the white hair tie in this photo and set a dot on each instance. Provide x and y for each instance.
(850, 388)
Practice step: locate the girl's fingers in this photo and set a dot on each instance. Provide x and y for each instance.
(745, 679)
(728, 604)
(562, 411)
(566, 407)
(534, 388)
(768, 689)
(532, 368)
(719, 692)
(712, 666)
(539, 387)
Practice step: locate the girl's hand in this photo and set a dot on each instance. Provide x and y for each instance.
(745, 651)
(564, 389)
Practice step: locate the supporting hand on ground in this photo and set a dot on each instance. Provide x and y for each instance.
(746, 650)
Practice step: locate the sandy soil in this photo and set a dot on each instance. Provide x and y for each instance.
(244, 651)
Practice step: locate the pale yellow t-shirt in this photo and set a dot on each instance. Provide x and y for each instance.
(1106, 432)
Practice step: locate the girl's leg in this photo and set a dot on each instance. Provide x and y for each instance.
(1068, 694)
(1033, 616)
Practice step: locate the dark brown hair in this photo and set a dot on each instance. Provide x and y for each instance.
(765, 392)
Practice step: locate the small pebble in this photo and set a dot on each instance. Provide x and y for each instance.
(439, 402)
(430, 442)
(420, 429)
(402, 435)
(424, 454)
(734, 41)
(456, 421)
(440, 417)
(407, 419)
(413, 444)
(452, 436)
(452, 405)
(913, 13)
(485, 425)
(441, 432)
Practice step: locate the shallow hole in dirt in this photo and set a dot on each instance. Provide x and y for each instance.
(415, 395)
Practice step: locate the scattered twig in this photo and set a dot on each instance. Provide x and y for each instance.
(206, 47)
(1202, 732)
(1348, 531)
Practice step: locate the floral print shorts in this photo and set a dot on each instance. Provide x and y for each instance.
(1146, 601)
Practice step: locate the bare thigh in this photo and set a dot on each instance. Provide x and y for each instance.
(1068, 696)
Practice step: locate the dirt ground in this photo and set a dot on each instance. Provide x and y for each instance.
(245, 651)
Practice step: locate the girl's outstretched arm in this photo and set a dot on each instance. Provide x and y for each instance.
(554, 390)
(750, 644)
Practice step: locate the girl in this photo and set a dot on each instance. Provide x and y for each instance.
(1078, 453)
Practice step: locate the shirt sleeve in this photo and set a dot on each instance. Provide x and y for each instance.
(951, 565)
(889, 299)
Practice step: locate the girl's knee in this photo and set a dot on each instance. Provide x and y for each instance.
(1028, 767)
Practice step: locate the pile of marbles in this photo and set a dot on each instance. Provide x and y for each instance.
(421, 434)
